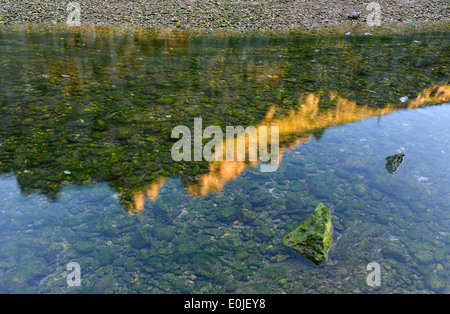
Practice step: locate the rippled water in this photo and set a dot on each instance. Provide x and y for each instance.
(87, 176)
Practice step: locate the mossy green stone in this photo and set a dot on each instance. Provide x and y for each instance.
(394, 252)
(163, 233)
(85, 247)
(359, 189)
(359, 204)
(225, 214)
(321, 185)
(295, 172)
(99, 125)
(313, 238)
(106, 256)
(435, 283)
(424, 257)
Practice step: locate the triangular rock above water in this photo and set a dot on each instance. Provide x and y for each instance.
(313, 238)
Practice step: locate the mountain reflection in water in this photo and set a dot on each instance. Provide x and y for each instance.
(295, 128)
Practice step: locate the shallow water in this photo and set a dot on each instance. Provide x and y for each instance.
(87, 175)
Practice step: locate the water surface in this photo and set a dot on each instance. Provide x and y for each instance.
(87, 175)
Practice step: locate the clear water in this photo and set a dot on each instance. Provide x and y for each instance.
(106, 195)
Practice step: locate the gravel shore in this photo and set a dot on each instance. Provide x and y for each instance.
(224, 14)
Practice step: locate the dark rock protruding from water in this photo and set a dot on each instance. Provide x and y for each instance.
(393, 162)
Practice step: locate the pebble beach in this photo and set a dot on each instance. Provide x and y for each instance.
(224, 14)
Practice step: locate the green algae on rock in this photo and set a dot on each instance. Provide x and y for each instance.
(313, 238)
(393, 162)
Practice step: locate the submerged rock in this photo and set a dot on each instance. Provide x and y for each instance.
(321, 185)
(395, 252)
(313, 238)
(85, 247)
(435, 283)
(393, 162)
(355, 164)
(163, 233)
(424, 257)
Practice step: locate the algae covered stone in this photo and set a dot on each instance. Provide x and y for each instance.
(393, 162)
(435, 283)
(313, 238)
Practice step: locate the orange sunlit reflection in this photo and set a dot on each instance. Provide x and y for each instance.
(294, 129)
